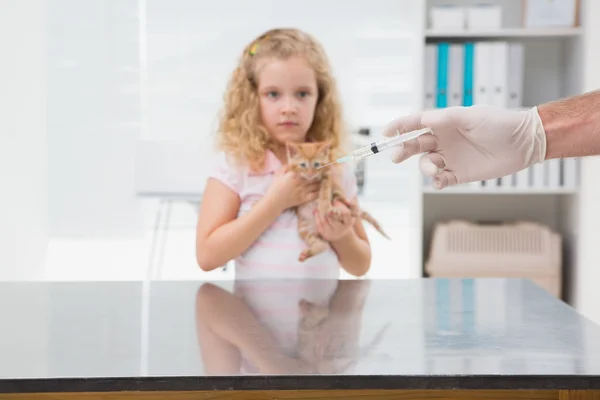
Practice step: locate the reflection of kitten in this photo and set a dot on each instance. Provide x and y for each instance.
(312, 320)
(305, 159)
(328, 355)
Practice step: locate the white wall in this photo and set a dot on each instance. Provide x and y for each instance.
(587, 282)
(93, 117)
(23, 139)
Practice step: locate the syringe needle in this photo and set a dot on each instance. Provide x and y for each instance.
(327, 165)
(338, 161)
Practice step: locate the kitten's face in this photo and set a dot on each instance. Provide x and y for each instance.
(313, 315)
(306, 158)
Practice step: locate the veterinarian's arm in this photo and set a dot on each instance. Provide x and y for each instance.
(354, 250)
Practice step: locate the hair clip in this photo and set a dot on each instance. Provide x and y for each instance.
(255, 45)
(253, 49)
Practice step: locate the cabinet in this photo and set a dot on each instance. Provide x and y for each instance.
(557, 63)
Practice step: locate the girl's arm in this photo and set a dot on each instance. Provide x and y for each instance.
(353, 250)
(220, 235)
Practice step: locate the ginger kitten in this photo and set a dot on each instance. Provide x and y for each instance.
(305, 159)
(329, 351)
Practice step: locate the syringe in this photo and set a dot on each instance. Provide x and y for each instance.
(379, 146)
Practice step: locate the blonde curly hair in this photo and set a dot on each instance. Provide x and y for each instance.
(241, 133)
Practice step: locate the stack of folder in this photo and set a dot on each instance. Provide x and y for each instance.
(489, 72)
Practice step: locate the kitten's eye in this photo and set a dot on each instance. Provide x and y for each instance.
(303, 165)
(316, 164)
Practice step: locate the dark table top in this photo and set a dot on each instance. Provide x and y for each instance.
(320, 334)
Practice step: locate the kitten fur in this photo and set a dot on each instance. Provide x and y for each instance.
(305, 159)
(329, 352)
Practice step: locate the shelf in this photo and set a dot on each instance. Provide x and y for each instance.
(505, 33)
(499, 191)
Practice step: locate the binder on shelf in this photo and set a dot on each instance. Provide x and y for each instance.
(522, 179)
(570, 172)
(430, 76)
(552, 173)
(468, 74)
(506, 182)
(498, 65)
(491, 184)
(455, 75)
(442, 75)
(515, 72)
(482, 85)
(537, 179)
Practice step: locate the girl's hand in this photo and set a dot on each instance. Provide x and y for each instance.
(289, 190)
(334, 227)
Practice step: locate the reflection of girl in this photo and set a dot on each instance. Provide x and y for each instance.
(275, 304)
(234, 341)
(328, 335)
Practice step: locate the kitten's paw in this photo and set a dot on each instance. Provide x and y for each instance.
(336, 214)
(305, 255)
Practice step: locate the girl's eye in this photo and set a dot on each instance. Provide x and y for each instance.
(303, 165)
(272, 94)
(316, 164)
(303, 94)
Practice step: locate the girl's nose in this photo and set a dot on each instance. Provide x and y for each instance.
(289, 105)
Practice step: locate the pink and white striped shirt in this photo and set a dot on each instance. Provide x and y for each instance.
(274, 255)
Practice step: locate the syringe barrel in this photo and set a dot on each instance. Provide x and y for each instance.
(400, 138)
(362, 152)
(386, 143)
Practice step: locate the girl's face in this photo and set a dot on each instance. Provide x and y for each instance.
(288, 94)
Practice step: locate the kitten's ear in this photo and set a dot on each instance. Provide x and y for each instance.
(325, 148)
(304, 306)
(292, 150)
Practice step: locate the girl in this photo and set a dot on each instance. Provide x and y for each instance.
(281, 91)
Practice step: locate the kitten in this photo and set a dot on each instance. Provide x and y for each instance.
(332, 354)
(312, 320)
(305, 159)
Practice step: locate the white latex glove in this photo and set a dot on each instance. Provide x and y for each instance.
(470, 144)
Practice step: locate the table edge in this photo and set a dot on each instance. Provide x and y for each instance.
(296, 382)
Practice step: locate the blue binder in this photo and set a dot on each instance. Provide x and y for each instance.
(468, 76)
(442, 75)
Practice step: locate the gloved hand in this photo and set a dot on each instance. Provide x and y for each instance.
(470, 144)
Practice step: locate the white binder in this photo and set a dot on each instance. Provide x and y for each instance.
(552, 173)
(570, 172)
(482, 73)
(499, 73)
(456, 67)
(430, 76)
(515, 72)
